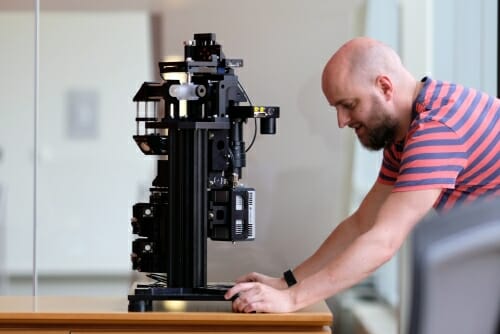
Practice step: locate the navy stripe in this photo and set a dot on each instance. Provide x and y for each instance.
(436, 92)
(453, 101)
(486, 132)
(482, 156)
(455, 107)
(425, 182)
(392, 154)
(445, 168)
(444, 199)
(462, 197)
(390, 167)
(471, 190)
(445, 99)
(490, 164)
(429, 156)
(387, 178)
(423, 92)
(435, 142)
(483, 113)
(465, 193)
(441, 129)
(452, 90)
(469, 112)
(493, 177)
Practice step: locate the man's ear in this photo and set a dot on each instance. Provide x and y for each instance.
(384, 84)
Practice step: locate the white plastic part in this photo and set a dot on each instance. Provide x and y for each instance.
(186, 91)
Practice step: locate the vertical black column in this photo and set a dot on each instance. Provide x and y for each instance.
(187, 208)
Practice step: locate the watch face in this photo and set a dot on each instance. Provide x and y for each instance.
(289, 278)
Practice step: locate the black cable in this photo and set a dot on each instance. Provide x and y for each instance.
(159, 279)
(254, 120)
(254, 135)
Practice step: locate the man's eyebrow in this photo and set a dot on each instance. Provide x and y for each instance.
(339, 101)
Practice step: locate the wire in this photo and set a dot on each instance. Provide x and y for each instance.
(254, 135)
(159, 279)
(254, 120)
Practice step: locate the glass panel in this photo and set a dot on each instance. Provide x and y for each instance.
(17, 59)
(91, 173)
(94, 57)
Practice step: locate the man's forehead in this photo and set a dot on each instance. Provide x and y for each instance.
(343, 91)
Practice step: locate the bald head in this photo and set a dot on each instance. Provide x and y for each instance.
(371, 91)
(360, 61)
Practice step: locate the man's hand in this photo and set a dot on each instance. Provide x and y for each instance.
(258, 297)
(275, 282)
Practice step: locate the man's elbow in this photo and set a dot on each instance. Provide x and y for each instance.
(386, 244)
(387, 252)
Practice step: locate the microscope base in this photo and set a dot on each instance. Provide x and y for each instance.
(145, 294)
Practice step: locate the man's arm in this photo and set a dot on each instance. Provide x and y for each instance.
(395, 219)
(346, 232)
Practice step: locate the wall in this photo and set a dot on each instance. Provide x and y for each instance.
(302, 175)
(88, 173)
(465, 50)
(3, 275)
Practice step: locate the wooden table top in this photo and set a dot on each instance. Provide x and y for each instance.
(83, 311)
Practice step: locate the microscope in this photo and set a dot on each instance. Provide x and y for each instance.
(195, 128)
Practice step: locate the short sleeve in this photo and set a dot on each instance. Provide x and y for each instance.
(433, 157)
(389, 169)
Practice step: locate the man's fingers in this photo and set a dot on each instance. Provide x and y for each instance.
(237, 289)
(252, 277)
(249, 297)
(253, 307)
(258, 297)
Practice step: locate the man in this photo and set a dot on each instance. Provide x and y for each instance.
(441, 148)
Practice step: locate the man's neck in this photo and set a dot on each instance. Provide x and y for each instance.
(411, 93)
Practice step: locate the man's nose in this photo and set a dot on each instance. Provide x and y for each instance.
(343, 117)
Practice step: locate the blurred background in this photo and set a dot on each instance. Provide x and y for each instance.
(94, 55)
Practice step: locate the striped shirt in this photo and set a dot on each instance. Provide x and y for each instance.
(452, 143)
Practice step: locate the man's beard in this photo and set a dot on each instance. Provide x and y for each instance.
(381, 136)
(383, 133)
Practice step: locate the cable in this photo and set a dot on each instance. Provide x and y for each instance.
(160, 280)
(254, 135)
(254, 120)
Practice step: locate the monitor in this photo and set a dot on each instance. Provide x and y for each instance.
(455, 272)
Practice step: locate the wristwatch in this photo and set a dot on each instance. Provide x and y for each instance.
(289, 278)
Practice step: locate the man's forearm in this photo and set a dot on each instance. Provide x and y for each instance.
(346, 232)
(354, 264)
(340, 238)
(368, 251)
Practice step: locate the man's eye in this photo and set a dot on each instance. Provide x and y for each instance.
(349, 106)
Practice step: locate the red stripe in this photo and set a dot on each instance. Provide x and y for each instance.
(479, 180)
(479, 110)
(471, 164)
(452, 100)
(459, 114)
(428, 175)
(386, 182)
(474, 160)
(445, 88)
(433, 149)
(430, 90)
